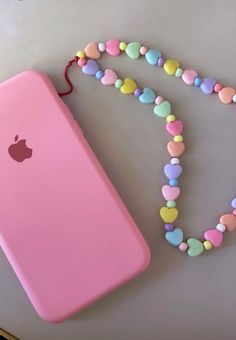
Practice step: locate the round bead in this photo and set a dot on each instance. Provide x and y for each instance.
(179, 72)
(160, 62)
(217, 87)
(197, 81)
(143, 50)
(171, 204)
(81, 62)
(118, 83)
(99, 74)
(122, 46)
(174, 160)
(234, 212)
(102, 47)
(178, 138)
(173, 182)
(207, 245)
(183, 246)
(170, 118)
(159, 100)
(234, 98)
(221, 227)
(138, 92)
(80, 54)
(233, 203)
(168, 227)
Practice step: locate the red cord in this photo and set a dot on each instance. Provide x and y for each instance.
(69, 64)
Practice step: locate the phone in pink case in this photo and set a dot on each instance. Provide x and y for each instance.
(63, 227)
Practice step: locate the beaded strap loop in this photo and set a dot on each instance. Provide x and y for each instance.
(86, 60)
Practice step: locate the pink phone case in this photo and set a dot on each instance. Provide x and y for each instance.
(63, 227)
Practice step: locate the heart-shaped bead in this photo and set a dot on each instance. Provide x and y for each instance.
(152, 56)
(163, 110)
(174, 237)
(207, 85)
(226, 95)
(170, 193)
(188, 76)
(229, 220)
(92, 51)
(148, 96)
(112, 47)
(169, 215)
(90, 68)
(175, 128)
(172, 171)
(128, 87)
(214, 236)
(195, 247)
(175, 149)
(171, 66)
(109, 77)
(133, 50)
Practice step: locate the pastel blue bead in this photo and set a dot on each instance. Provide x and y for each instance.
(152, 56)
(99, 75)
(174, 237)
(197, 81)
(173, 182)
(233, 203)
(148, 96)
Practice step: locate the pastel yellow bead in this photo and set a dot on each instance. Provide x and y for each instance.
(122, 46)
(169, 215)
(128, 87)
(207, 245)
(171, 66)
(178, 138)
(80, 54)
(170, 118)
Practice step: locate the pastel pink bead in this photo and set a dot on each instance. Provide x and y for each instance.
(217, 87)
(143, 50)
(109, 77)
(170, 193)
(81, 62)
(159, 100)
(183, 246)
(214, 236)
(112, 47)
(175, 128)
(188, 76)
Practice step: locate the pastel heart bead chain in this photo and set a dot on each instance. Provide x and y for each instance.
(87, 61)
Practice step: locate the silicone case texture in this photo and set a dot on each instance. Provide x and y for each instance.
(63, 227)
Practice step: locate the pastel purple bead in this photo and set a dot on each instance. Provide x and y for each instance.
(138, 92)
(233, 203)
(207, 85)
(172, 171)
(90, 68)
(160, 62)
(168, 227)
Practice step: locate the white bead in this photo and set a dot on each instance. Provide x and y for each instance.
(101, 47)
(174, 160)
(221, 227)
(234, 98)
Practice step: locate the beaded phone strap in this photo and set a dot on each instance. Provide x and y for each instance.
(86, 60)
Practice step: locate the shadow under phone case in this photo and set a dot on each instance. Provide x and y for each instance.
(63, 227)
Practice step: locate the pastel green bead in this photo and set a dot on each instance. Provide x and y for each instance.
(195, 247)
(179, 72)
(133, 50)
(171, 204)
(118, 83)
(163, 110)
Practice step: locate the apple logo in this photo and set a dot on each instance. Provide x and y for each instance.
(19, 151)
